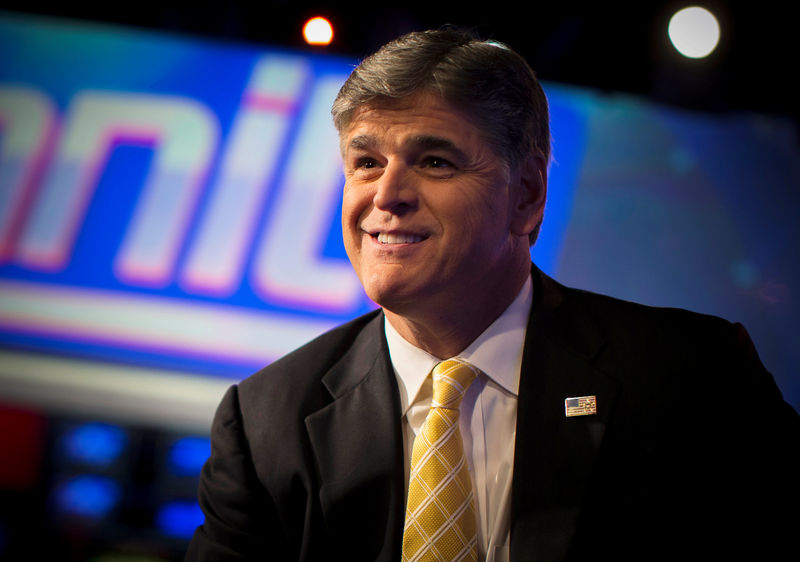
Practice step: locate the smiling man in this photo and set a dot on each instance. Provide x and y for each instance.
(434, 219)
(486, 412)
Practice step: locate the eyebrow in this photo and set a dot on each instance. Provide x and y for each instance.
(361, 142)
(432, 142)
(418, 142)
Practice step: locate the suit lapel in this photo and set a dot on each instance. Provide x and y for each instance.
(357, 443)
(554, 454)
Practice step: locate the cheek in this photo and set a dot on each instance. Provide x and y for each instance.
(475, 211)
(479, 224)
(351, 209)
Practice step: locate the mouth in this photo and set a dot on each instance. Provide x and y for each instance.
(397, 238)
(387, 238)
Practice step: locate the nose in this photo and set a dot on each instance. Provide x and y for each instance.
(396, 190)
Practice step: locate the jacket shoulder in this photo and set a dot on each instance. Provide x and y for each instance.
(645, 321)
(316, 357)
(674, 347)
(279, 396)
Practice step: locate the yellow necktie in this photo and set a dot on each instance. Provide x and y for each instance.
(440, 513)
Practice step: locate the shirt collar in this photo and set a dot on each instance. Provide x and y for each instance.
(497, 351)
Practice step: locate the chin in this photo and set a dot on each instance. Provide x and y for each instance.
(391, 298)
(384, 298)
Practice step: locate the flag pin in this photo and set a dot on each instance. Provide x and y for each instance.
(580, 406)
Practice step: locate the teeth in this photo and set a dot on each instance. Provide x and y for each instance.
(384, 238)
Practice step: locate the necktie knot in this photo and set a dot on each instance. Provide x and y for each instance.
(451, 378)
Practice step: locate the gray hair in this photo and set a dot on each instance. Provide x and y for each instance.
(485, 79)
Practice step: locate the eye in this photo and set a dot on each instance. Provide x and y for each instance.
(437, 167)
(436, 162)
(366, 162)
(363, 167)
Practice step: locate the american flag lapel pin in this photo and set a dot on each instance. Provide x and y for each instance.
(580, 406)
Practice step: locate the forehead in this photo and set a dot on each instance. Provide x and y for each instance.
(424, 117)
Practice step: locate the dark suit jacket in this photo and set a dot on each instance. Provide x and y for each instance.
(691, 452)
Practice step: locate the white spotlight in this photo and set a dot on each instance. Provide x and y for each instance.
(694, 32)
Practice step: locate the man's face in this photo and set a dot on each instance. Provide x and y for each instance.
(430, 213)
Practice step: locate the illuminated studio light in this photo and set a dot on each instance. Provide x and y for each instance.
(88, 495)
(694, 32)
(187, 455)
(318, 31)
(179, 518)
(96, 444)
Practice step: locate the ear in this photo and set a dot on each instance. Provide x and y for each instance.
(529, 195)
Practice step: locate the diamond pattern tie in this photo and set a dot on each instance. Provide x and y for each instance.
(440, 513)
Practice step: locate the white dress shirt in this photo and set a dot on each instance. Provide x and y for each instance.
(488, 413)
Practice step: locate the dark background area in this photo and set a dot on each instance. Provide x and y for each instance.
(611, 46)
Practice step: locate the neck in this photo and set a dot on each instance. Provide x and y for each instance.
(445, 332)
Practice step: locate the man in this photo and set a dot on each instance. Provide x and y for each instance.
(589, 427)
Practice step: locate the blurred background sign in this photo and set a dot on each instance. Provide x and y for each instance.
(174, 204)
